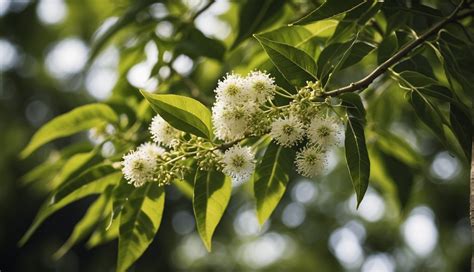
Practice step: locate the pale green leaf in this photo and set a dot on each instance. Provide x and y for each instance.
(139, 222)
(49, 207)
(183, 113)
(93, 215)
(81, 118)
(271, 178)
(212, 192)
(329, 9)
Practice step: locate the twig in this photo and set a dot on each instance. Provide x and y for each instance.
(366, 81)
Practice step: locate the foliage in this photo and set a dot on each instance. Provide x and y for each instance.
(348, 59)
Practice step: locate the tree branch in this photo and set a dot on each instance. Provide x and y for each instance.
(366, 81)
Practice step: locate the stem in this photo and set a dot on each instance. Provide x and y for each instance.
(366, 81)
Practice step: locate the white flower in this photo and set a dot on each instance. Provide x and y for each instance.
(238, 163)
(151, 150)
(311, 161)
(262, 86)
(138, 167)
(326, 132)
(163, 133)
(232, 90)
(231, 122)
(287, 131)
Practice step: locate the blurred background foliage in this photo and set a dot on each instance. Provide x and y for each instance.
(56, 55)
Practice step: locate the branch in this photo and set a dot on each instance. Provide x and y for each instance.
(366, 81)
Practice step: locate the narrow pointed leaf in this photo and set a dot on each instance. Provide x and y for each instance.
(212, 192)
(104, 233)
(357, 156)
(139, 222)
(428, 113)
(93, 215)
(183, 113)
(294, 64)
(271, 178)
(85, 179)
(78, 119)
(50, 207)
(256, 15)
(329, 9)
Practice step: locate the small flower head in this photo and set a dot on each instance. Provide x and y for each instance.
(311, 161)
(262, 86)
(138, 168)
(326, 132)
(287, 131)
(238, 163)
(151, 150)
(163, 133)
(232, 90)
(231, 122)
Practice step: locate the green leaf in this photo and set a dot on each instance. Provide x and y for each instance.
(83, 180)
(196, 44)
(329, 9)
(139, 222)
(183, 113)
(387, 47)
(338, 56)
(50, 207)
(401, 175)
(212, 192)
(354, 105)
(78, 119)
(256, 15)
(271, 178)
(354, 19)
(427, 112)
(103, 233)
(294, 64)
(357, 156)
(87, 223)
(461, 125)
(74, 165)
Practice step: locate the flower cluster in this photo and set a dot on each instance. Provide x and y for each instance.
(243, 108)
(303, 119)
(238, 111)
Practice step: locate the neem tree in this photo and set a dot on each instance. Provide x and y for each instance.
(284, 114)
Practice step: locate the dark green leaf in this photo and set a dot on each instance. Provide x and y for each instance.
(212, 192)
(183, 113)
(357, 156)
(256, 15)
(401, 175)
(427, 112)
(329, 9)
(354, 105)
(271, 178)
(294, 64)
(387, 48)
(196, 44)
(338, 56)
(78, 119)
(139, 222)
(461, 125)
